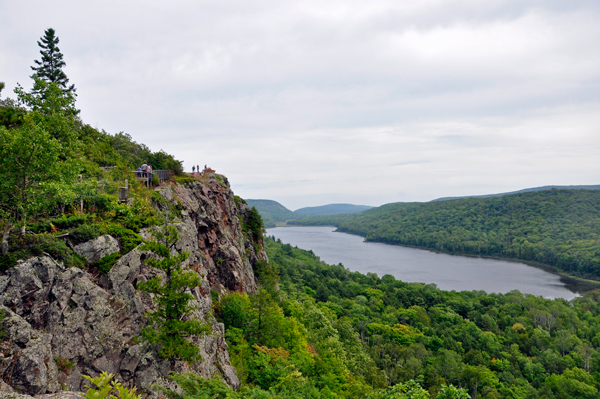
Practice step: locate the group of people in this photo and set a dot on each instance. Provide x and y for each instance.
(144, 169)
(195, 169)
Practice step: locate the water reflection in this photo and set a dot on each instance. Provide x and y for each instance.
(448, 272)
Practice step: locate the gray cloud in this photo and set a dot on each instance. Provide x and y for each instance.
(310, 102)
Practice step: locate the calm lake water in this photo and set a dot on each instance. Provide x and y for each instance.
(448, 272)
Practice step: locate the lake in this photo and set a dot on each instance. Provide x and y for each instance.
(448, 272)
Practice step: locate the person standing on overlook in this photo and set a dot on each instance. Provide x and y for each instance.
(194, 170)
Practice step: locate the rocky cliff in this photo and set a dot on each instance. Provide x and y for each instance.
(61, 323)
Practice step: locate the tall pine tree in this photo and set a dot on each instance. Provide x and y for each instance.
(50, 67)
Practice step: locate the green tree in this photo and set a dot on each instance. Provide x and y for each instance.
(254, 224)
(11, 114)
(52, 104)
(51, 64)
(32, 173)
(573, 383)
(452, 392)
(170, 324)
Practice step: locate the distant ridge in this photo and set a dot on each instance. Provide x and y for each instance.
(525, 190)
(331, 209)
(273, 212)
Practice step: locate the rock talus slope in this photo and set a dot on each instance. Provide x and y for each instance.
(62, 323)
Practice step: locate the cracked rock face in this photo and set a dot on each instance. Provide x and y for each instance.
(63, 323)
(219, 248)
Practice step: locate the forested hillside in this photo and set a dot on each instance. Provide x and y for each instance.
(331, 209)
(559, 228)
(272, 212)
(526, 190)
(332, 333)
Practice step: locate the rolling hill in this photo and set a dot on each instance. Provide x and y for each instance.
(559, 228)
(331, 209)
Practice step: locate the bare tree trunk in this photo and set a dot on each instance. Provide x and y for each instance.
(5, 236)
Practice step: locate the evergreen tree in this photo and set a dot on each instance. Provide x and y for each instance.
(50, 67)
(1, 87)
(170, 324)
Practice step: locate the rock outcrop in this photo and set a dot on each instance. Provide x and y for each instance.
(97, 249)
(62, 323)
(213, 232)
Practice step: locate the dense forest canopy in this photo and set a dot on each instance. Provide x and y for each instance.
(527, 190)
(331, 209)
(559, 228)
(347, 333)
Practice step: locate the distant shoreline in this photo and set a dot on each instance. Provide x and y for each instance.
(578, 285)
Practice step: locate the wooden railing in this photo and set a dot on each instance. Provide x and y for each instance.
(147, 177)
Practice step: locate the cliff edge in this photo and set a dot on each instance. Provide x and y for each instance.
(61, 323)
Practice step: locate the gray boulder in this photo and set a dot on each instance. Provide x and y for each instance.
(63, 323)
(98, 248)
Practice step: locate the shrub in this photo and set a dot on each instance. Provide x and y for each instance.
(107, 262)
(38, 245)
(85, 232)
(68, 222)
(75, 260)
(105, 386)
(138, 222)
(2, 332)
(128, 238)
(104, 202)
(63, 364)
(194, 386)
(50, 225)
(55, 247)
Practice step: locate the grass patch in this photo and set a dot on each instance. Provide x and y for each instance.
(184, 179)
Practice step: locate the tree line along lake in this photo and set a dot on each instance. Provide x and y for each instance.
(448, 272)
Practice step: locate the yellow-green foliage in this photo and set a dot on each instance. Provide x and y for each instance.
(103, 387)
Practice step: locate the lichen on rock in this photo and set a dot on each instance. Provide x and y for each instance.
(62, 323)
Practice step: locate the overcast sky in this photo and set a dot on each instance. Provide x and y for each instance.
(316, 102)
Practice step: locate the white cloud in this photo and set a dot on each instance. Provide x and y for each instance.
(336, 101)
